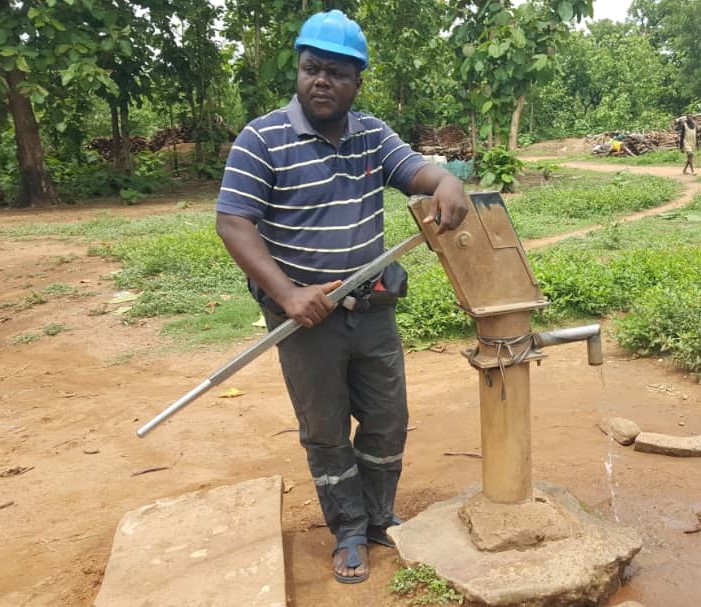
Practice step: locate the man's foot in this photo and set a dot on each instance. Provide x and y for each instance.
(350, 560)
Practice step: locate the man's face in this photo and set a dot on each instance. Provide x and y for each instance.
(326, 86)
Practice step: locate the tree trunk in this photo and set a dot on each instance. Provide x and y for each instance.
(125, 149)
(35, 186)
(116, 136)
(515, 121)
(473, 132)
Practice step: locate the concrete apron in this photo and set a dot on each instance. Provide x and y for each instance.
(547, 552)
(219, 547)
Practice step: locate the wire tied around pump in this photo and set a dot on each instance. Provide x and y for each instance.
(503, 346)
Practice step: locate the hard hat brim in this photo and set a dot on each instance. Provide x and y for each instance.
(331, 47)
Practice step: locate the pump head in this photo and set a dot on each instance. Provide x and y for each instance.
(333, 32)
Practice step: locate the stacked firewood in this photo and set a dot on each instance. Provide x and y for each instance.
(170, 136)
(649, 141)
(449, 141)
(103, 146)
(162, 139)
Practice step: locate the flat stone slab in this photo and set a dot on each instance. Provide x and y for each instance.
(582, 569)
(213, 548)
(664, 444)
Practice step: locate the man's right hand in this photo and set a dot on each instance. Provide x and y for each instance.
(310, 305)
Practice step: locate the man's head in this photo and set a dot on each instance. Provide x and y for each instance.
(332, 53)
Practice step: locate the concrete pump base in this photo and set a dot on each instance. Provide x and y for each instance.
(580, 562)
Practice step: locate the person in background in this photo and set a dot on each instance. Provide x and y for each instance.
(300, 209)
(687, 142)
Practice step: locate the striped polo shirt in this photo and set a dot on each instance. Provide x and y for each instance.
(318, 208)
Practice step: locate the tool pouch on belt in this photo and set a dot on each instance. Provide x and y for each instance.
(384, 292)
(394, 279)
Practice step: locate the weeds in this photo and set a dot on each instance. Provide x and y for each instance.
(424, 587)
(54, 329)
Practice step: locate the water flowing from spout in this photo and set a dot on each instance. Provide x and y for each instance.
(608, 466)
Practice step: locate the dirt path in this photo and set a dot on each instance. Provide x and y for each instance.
(70, 459)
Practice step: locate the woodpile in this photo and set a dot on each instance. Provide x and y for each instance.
(163, 138)
(449, 141)
(649, 141)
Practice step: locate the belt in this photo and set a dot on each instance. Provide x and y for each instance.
(367, 296)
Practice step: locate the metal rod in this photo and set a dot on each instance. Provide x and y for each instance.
(284, 330)
(589, 333)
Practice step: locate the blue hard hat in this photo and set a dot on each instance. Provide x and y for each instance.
(335, 33)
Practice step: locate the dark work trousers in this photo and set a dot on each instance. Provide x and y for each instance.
(350, 365)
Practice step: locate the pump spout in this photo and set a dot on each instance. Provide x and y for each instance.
(590, 333)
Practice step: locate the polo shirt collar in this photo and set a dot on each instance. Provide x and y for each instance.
(301, 125)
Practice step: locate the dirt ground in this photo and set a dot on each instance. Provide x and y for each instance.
(71, 464)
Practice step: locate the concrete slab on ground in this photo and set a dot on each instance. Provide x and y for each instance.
(583, 568)
(213, 548)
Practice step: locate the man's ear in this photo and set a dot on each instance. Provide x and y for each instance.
(358, 84)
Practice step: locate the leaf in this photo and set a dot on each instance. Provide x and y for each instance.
(124, 297)
(231, 393)
(22, 65)
(565, 11)
(283, 57)
(487, 106)
(488, 179)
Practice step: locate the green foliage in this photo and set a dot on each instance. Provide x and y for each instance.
(611, 78)
(406, 44)
(503, 50)
(498, 169)
(665, 320)
(430, 311)
(424, 587)
(75, 181)
(649, 270)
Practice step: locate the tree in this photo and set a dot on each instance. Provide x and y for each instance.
(189, 63)
(37, 39)
(409, 81)
(505, 50)
(679, 23)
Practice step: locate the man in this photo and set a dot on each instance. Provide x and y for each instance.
(300, 210)
(687, 142)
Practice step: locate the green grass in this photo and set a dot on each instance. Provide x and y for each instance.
(646, 275)
(184, 274)
(578, 199)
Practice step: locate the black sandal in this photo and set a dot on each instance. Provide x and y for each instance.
(353, 559)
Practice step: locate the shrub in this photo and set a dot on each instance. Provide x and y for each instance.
(498, 169)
